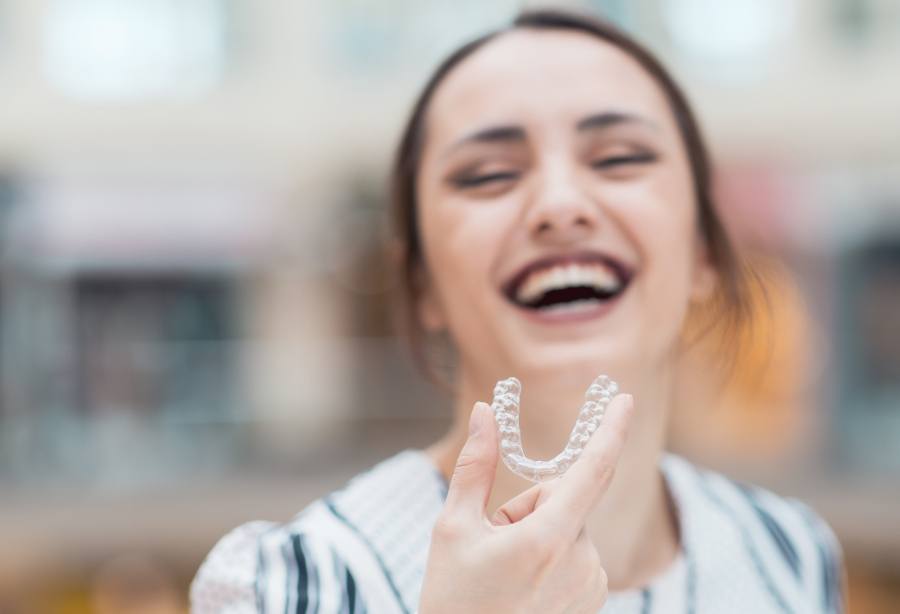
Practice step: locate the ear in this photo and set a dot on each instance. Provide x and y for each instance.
(705, 278)
(429, 309)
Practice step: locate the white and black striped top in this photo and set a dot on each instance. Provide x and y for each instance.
(363, 548)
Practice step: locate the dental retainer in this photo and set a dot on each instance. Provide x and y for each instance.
(506, 414)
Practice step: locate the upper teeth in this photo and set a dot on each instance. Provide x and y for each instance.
(567, 276)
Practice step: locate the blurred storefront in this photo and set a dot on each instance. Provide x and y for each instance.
(195, 304)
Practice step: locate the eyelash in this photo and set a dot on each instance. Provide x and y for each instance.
(605, 163)
(479, 180)
(640, 158)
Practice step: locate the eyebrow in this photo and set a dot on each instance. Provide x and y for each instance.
(599, 121)
(515, 134)
(494, 134)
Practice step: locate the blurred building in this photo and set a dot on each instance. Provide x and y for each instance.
(195, 305)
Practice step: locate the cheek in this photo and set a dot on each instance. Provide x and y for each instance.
(461, 241)
(659, 218)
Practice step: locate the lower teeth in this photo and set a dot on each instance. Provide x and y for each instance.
(571, 305)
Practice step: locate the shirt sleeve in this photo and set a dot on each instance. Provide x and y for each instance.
(834, 573)
(261, 567)
(830, 574)
(226, 580)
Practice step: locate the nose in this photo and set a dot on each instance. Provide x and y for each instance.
(560, 212)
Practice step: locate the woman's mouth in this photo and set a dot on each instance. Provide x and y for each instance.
(573, 285)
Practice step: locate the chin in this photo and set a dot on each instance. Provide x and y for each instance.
(574, 362)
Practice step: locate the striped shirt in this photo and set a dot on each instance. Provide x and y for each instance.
(363, 548)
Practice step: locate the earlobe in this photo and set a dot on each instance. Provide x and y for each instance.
(430, 312)
(704, 284)
(430, 317)
(705, 277)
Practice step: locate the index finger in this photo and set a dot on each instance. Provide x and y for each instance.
(583, 485)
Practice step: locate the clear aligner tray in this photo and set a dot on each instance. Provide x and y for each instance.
(506, 414)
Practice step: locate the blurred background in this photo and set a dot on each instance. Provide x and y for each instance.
(195, 322)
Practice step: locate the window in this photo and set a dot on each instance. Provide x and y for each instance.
(378, 37)
(868, 354)
(733, 40)
(110, 50)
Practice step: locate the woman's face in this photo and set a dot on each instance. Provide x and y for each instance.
(556, 211)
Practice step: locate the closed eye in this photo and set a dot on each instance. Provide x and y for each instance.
(614, 161)
(474, 181)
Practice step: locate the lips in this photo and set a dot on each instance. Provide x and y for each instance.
(568, 282)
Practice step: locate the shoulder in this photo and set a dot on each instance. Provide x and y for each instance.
(263, 567)
(325, 559)
(226, 579)
(790, 542)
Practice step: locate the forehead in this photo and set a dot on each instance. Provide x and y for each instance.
(527, 76)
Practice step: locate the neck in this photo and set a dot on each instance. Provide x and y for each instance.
(634, 526)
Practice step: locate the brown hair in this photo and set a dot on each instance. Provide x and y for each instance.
(730, 307)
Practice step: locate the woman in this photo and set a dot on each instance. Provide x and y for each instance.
(554, 210)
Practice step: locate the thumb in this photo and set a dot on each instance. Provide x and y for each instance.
(473, 477)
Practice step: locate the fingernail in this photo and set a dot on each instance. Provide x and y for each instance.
(474, 419)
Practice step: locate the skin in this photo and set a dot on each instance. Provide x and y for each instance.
(584, 156)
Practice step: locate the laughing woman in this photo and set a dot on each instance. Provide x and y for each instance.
(553, 203)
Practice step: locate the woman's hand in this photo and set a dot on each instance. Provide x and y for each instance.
(533, 556)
